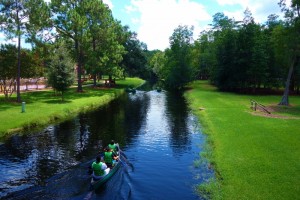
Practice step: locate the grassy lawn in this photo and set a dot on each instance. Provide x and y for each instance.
(43, 107)
(255, 156)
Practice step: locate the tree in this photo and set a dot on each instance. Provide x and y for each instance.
(274, 69)
(178, 70)
(100, 22)
(291, 37)
(206, 57)
(213, 48)
(16, 18)
(134, 61)
(241, 58)
(61, 70)
(221, 22)
(228, 74)
(252, 57)
(114, 49)
(31, 62)
(157, 63)
(71, 23)
(7, 69)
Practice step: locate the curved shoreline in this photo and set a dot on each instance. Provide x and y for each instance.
(43, 107)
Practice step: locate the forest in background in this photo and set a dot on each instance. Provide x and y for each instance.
(240, 56)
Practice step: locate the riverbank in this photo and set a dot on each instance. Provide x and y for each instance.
(255, 156)
(43, 107)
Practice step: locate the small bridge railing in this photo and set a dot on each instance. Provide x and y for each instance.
(255, 105)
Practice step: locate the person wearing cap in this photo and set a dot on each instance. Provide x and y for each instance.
(99, 168)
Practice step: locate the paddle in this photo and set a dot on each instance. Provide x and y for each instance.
(122, 162)
(123, 157)
(122, 153)
(127, 162)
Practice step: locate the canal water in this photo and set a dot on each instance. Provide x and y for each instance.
(157, 132)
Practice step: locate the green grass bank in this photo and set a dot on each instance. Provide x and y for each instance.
(43, 107)
(255, 156)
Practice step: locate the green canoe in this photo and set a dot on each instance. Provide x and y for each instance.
(98, 183)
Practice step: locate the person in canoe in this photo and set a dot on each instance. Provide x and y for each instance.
(99, 168)
(110, 157)
(112, 145)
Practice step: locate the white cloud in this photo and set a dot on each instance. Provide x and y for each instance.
(129, 9)
(159, 18)
(230, 2)
(109, 3)
(13, 41)
(135, 20)
(3, 39)
(260, 9)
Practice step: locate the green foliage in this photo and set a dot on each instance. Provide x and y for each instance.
(8, 54)
(71, 23)
(207, 58)
(17, 18)
(31, 62)
(178, 69)
(157, 63)
(103, 46)
(96, 40)
(134, 61)
(208, 189)
(246, 56)
(291, 39)
(242, 59)
(227, 71)
(61, 70)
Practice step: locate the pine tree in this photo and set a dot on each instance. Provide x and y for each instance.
(61, 70)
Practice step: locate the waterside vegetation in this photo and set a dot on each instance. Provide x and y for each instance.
(255, 155)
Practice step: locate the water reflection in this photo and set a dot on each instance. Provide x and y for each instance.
(178, 114)
(135, 115)
(155, 130)
(28, 160)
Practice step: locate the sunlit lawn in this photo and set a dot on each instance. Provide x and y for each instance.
(256, 157)
(43, 107)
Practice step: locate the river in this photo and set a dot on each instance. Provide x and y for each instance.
(159, 135)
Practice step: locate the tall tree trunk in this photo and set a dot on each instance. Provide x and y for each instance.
(285, 98)
(94, 74)
(78, 54)
(95, 80)
(19, 57)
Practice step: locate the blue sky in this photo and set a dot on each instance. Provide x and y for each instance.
(155, 20)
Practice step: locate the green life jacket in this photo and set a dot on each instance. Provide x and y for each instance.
(108, 157)
(113, 147)
(97, 167)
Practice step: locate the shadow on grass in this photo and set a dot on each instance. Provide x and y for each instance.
(5, 106)
(8, 104)
(58, 101)
(293, 110)
(72, 94)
